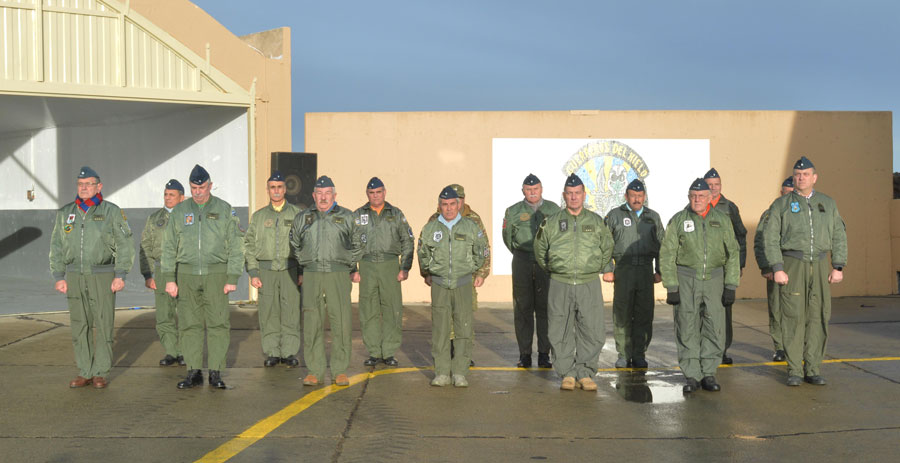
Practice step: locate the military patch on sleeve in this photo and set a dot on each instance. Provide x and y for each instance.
(403, 218)
(409, 230)
(123, 215)
(688, 226)
(504, 223)
(233, 213)
(487, 252)
(480, 234)
(563, 225)
(795, 206)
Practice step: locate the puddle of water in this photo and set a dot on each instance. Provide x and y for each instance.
(647, 387)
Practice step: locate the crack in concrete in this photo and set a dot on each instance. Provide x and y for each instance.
(339, 448)
(23, 317)
(673, 438)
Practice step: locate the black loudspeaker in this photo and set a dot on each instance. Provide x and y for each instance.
(299, 170)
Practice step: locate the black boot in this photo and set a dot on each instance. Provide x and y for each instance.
(524, 361)
(290, 360)
(691, 386)
(215, 379)
(180, 360)
(544, 360)
(194, 378)
(709, 384)
(167, 361)
(271, 361)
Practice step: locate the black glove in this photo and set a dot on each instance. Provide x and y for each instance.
(727, 296)
(673, 298)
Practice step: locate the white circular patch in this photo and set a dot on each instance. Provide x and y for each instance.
(688, 225)
(626, 221)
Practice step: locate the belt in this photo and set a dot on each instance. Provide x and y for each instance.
(108, 268)
(460, 282)
(635, 260)
(799, 254)
(692, 273)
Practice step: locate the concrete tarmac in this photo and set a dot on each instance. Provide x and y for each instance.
(507, 414)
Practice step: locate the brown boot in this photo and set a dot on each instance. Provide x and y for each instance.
(568, 384)
(342, 380)
(79, 381)
(310, 380)
(587, 384)
(99, 382)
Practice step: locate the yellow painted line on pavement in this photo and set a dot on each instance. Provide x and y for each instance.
(265, 426)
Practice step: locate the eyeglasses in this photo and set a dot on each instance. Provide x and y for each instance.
(86, 184)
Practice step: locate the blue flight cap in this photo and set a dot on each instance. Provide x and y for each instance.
(199, 175)
(531, 180)
(175, 185)
(448, 193)
(635, 185)
(699, 185)
(276, 177)
(574, 180)
(711, 173)
(324, 182)
(803, 163)
(788, 182)
(374, 183)
(87, 172)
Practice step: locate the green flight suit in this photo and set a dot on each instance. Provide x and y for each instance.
(798, 235)
(89, 250)
(574, 249)
(327, 247)
(740, 234)
(388, 247)
(451, 257)
(637, 240)
(530, 282)
(202, 252)
(699, 258)
(267, 250)
(772, 290)
(150, 253)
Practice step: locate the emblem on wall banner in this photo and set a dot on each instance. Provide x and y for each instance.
(606, 167)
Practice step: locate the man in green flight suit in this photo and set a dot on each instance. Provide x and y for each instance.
(730, 209)
(802, 228)
(327, 245)
(150, 254)
(573, 246)
(482, 272)
(700, 264)
(637, 232)
(451, 250)
(90, 253)
(273, 271)
(387, 241)
(773, 293)
(202, 259)
(530, 282)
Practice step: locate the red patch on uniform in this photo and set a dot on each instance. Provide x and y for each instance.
(504, 223)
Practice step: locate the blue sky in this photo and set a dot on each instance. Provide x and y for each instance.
(430, 55)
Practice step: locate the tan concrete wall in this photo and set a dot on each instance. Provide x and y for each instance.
(265, 56)
(416, 154)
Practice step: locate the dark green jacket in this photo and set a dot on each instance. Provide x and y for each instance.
(450, 255)
(759, 244)
(98, 241)
(151, 242)
(202, 240)
(470, 214)
(636, 238)
(740, 232)
(700, 246)
(268, 239)
(573, 249)
(385, 236)
(326, 241)
(521, 223)
(806, 228)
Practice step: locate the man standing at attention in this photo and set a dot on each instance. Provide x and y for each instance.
(701, 271)
(150, 254)
(772, 290)
(387, 241)
(451, 250)
(326, 242)
(90, 253)
(273, 271)
(730, 209)
(530, 282)
(803, 227)
(203, 257)
(573, 246)
(637, 232)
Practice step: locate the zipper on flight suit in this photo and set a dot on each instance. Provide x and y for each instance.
(705, 250)
(812, 233)
(81, 247)
(575, 259)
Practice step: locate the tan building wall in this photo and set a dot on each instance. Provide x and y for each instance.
(267, 59)
(416, 154)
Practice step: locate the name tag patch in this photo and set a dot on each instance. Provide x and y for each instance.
(821, 208)
(99, 218)
(688, 226)
(588, 229)
(338, 220)
(459, 237)
(213, 216)
(714, 224)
